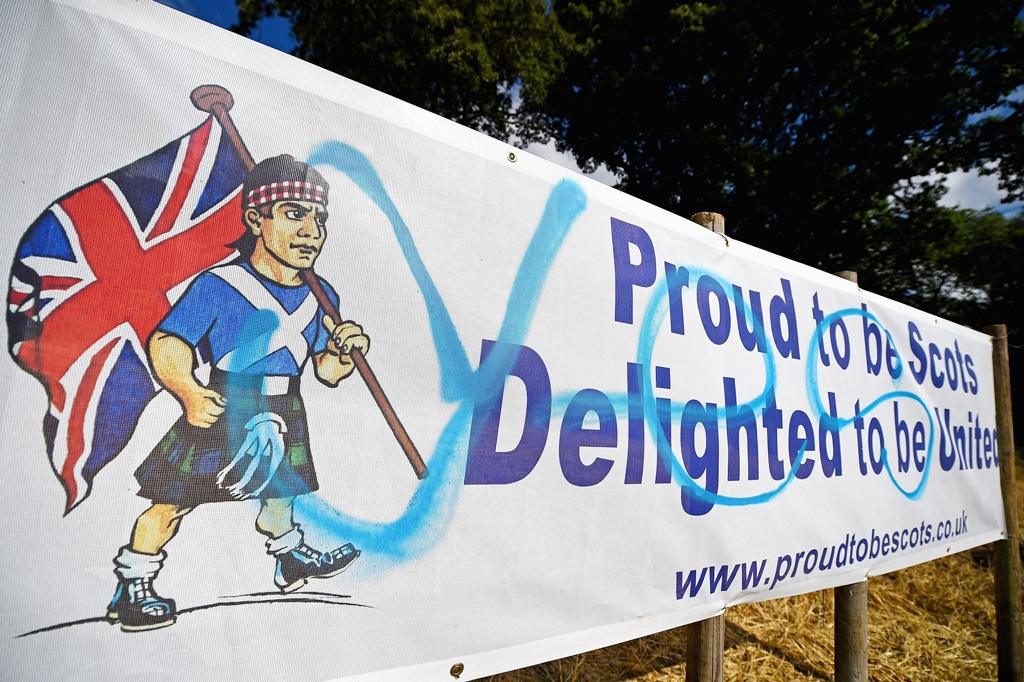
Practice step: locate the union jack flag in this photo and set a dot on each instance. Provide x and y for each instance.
(95, 274)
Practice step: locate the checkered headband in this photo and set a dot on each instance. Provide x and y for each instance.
(299, 190)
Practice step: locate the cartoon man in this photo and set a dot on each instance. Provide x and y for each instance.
(243, 435)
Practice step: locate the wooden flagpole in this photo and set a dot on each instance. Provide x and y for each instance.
(217, 101)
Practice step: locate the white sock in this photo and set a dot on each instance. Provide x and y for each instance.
(129, 565)
(285, 543)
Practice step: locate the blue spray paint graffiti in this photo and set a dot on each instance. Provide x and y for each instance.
(814, 395)
(651, 325)
(430, 510)
(657, 308)
(456, 374)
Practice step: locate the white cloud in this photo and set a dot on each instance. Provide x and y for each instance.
(971, 189)
(548, 152)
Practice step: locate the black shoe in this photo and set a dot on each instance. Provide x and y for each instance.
(303, 562)
(137, 606)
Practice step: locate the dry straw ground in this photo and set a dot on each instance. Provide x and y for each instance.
(935, 621)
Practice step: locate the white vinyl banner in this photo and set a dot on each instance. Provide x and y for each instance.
(514, 415)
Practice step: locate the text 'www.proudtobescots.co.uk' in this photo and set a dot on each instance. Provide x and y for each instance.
(852, 550)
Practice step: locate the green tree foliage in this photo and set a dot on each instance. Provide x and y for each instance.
(460, 59)
(796, 120)
(793, 119)
(957, 263)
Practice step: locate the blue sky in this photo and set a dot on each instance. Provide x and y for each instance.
(273, 31)
(966, 189)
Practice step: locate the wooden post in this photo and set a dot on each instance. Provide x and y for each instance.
(705, 640)
(705, 650)
(851, 632)
(1009, 649)
(850, 635)
(712, 221)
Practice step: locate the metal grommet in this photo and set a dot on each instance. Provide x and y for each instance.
(458, 668)
(512, 157)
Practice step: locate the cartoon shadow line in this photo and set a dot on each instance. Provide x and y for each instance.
(213, 605)
(305, 593)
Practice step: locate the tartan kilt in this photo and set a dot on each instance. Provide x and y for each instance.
(182, 469)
